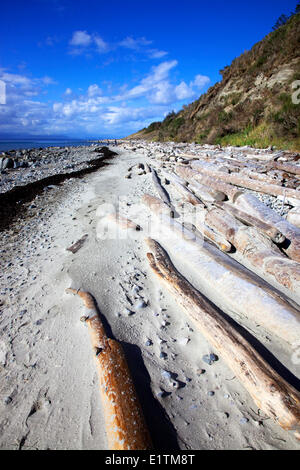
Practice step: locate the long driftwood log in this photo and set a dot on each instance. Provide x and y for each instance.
(249, 203)
(124, 420)
(293, 217)
(214, 183)
(205, 193)
(287, 167)
(271, 393)
(260, 251)
(157, 205)
(247, 183)
(122, 221)
(159, 188)
(248, 219)
(187, 195)
(239, 291)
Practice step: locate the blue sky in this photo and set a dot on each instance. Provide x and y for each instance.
(108, 68)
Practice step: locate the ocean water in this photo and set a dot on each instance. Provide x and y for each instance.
(6, 145)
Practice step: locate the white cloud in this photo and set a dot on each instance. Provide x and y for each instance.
(96, 110)
(134, 44)
(102, 46)
(156, 54)
(94, 90)
(200, 81)
(81, 38)
(183, 91)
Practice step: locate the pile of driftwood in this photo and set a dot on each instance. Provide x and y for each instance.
(245, 254)
(247, 260)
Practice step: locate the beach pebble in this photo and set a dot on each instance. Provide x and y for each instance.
(162, 393)
(140, 304)
(244, 420)
(183, 341)
(166, 374)
(128, 312)
(210, 358)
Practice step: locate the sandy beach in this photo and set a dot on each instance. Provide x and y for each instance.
(49, 392)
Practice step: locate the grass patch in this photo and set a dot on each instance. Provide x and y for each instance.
(262, 136)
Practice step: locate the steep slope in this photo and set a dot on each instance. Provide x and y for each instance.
(252, 105)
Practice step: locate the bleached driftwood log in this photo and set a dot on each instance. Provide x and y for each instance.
(159, 188)
(212, 236)
(214, 183)
(124, 421)
(239, 291)
(187, 194)
(174, 178)
(249, 203)
(259, 250)
(157, 205)
(205, 193)
(123, 222)
(270, 392)
(247, 183)
(287, 167)
(248, 219)
(293, 217)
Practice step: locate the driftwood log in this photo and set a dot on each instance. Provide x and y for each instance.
(124, 420)
(287, 167)
(259, 250)
(79, 244)
(293, 217)
(122, 221)
(270, 392)
(247, 183)
(239, 291)
(248, 219)
(211, 235)
(214, 183)
(157, 205)
(159, 188)
(205, 193)
(187, 195)
(249, 203)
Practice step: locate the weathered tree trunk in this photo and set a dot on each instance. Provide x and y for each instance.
(252, 205)
(248, 219)
(270, 392)
(207, 192)
(124, 420)
(287, 167)
(256, 248)
(212, 236)
(214, 183)
(123, 222)
(157, 205)
(187, 194)
(293, 217)
(159, 188)
(247, 183)
(239, 291)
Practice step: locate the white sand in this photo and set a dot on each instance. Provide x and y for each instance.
(48, 389)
